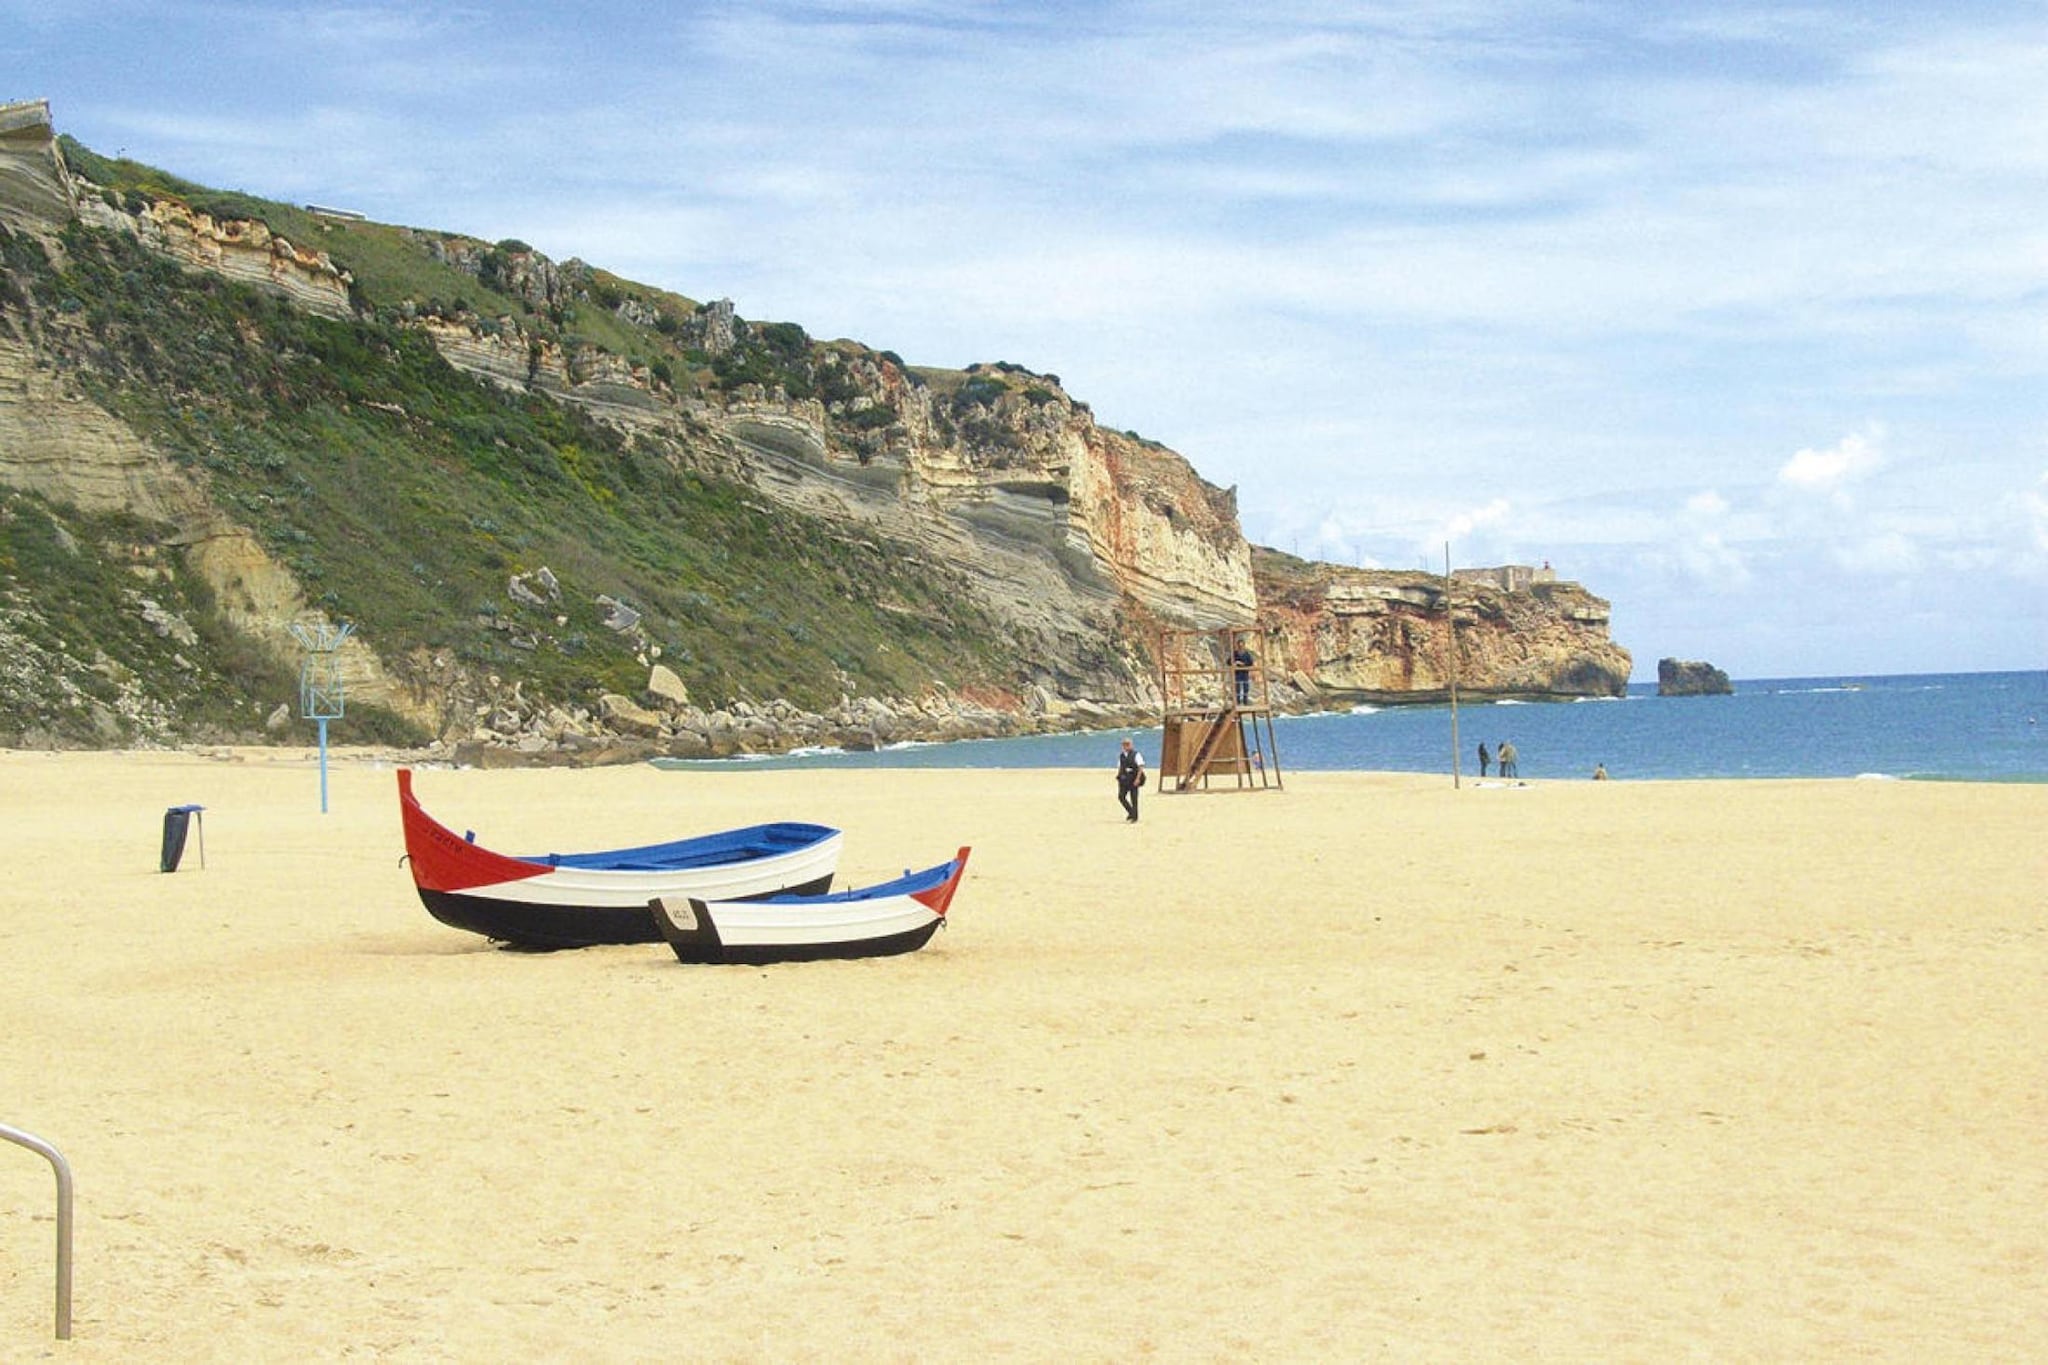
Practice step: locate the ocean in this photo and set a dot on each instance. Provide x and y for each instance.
(1963, 727)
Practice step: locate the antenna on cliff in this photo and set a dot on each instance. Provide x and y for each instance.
(321, 695)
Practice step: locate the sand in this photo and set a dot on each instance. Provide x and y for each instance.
(1369, 1068)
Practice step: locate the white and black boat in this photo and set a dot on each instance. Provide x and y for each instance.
(897, 916)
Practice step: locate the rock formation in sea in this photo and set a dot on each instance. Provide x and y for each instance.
(1691, 678)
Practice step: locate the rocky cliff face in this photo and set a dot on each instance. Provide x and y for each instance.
(35, 187)
(56, 442)
(237, 249)
(38, 191)
(1062, 524)
(1079, 541)
(1380, 635)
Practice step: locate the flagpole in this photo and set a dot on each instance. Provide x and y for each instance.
(1451, 620)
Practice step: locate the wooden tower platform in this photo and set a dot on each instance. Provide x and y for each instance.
(1217, 717)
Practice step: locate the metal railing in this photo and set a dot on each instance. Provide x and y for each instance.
(63, 1169)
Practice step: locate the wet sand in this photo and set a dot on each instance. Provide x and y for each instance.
(1367, 1068)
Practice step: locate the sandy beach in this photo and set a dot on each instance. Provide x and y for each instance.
(1368, 1068)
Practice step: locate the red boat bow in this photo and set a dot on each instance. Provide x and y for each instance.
(442, 860)
(941, 896)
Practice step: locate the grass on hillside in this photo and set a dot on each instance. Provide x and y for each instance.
(394, 269)
(405, 494)
(400, 272)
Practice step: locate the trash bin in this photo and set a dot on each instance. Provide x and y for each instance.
(176, 820)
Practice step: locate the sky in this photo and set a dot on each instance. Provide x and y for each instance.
(1735, 313)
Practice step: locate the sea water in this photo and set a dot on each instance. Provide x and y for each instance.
(1972, 727)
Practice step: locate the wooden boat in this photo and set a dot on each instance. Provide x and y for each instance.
(899, 916)
(572, 900)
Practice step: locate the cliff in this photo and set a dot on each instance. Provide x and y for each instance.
(563, 507)
(1383, 635)
(1059, 524)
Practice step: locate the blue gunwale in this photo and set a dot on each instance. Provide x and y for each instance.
(708, 850)
(909, 884)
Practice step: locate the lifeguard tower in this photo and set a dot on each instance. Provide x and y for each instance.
(1218, 716)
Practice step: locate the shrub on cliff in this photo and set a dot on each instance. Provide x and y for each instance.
(980, 391)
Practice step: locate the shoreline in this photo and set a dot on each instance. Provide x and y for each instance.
(1369, 1066)
(1920, 727)
(381, 758)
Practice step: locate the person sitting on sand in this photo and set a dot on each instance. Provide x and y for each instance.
(1599, 772)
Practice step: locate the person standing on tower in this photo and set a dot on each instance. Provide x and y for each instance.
(1243, 659)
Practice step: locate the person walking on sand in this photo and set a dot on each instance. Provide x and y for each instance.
(1130, 775)
(1484, 758)
(1507, 759)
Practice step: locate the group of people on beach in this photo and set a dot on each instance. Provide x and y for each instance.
(1505, 757)
(1130, 771)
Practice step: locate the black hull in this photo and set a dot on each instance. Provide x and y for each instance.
(701, 944)
(526, 924)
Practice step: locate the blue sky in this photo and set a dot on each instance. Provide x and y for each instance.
(1737, 314)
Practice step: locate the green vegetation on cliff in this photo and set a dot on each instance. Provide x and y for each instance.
(108, 637)
(399, 274)
(405, 495)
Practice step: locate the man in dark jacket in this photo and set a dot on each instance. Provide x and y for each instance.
(1130, 775)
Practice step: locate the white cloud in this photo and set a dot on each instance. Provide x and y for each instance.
(1969, 559)
(1887, 552)
(1707, 558)
(2030, 557)
(1699, 547)
(378, 30)
(1462, 524)
(2033, 504)
(1828, 471)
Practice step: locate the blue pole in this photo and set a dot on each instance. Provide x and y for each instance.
(323, 765)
